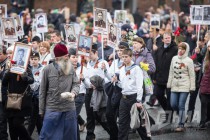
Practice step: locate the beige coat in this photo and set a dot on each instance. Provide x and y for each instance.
(182, 74)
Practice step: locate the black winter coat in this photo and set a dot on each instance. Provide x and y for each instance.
(10, 82)
(163, 57)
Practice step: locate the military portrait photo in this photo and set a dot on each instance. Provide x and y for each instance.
(84, 45)
(196, 14)
(112, 33)
(100, 18)
(70, 33)
(41, 23)
(155, 21)
(206, 15)
(174, 21)
(120, 16)
(20, 58)
(3, 10)
(18, 26)
(8, 28)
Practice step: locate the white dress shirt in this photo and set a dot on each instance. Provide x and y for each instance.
(97, 71)
(83, 84)
(132, 83)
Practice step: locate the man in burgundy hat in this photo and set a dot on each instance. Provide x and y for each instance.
(58, 88)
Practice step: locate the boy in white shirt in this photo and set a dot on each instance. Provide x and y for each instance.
(94, 67)
(113, 105)
(131, 82)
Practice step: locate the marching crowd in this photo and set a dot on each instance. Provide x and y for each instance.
(58, 81)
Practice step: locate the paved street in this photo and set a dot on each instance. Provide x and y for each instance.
(159, 131)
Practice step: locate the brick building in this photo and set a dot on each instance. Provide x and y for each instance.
(131, 4)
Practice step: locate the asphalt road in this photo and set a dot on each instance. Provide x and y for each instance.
(189, 134)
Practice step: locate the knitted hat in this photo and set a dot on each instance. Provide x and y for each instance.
(60, 50)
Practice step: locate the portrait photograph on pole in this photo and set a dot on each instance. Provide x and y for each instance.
(41, 23)
(112, 35)
(20, 58)
(84, 45)
(18, 26)
(71, 37)
(206, 15)
(3, 10)
(196, 14)
(120, 16)
(174, 21)
(100, 20)
(155, 21)
(9, 30)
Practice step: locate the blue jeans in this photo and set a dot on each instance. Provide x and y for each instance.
(178, 100)
(59, 126)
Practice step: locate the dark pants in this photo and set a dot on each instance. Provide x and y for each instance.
(91, 117)
(3, 123)
(35, 118)
(125, 118)
(17, 129)
(191, 105)
(205, 101)
(160, 91)
(79, 101)
(111, 115)
(80, 120)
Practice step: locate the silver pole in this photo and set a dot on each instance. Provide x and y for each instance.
(122, 4)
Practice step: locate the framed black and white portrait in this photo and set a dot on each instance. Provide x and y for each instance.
(71, 37)
(3, 10)
(155, 21)
(41, 23)
(174, 21)
(20, 58)
(206, 15)
(100, 19)
(18, 25)
(9, 30)
(84, 45)
(120, 16)
(196, 14)
(112, 35)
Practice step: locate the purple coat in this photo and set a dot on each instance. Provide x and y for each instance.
(205, 82)
(146, 57)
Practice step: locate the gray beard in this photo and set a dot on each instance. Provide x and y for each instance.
(64, 66)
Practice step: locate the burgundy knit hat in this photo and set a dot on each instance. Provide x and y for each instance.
(60, 50)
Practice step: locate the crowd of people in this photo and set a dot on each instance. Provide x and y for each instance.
(58, 81)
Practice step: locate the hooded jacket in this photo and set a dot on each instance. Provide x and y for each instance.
(182, 74)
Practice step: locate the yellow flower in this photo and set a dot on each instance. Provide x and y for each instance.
(144, 66)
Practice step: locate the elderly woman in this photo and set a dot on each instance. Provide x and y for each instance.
(181, 81)
(44, 52)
